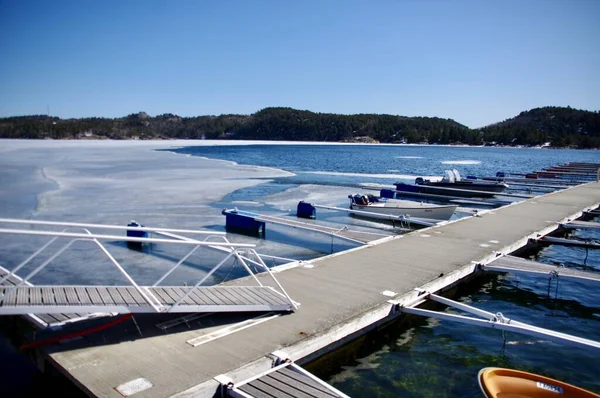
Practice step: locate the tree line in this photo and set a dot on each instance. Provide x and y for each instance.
(562, 127)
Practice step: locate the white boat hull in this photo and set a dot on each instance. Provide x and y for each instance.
(407, 209)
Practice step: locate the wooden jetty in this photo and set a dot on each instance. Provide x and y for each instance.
(342, 296)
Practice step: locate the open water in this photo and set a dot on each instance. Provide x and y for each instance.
(422, 359)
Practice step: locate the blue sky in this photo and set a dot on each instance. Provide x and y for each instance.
(477, 62)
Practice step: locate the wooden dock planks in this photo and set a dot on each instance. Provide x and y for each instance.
(105, 298)
(286, 383)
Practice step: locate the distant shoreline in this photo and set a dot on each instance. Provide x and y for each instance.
(220, 142)
(557, 127)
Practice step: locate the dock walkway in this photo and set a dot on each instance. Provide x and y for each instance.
(340, 295)
(343, 233)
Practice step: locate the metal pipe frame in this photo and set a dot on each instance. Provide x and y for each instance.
(241, 259)
(28, 259)
(105, 226)
(148, 296)
(473, 310)
(212, 271)
(569, 242)
(220, 248)
(497, 321)
(175, 266)
(292, 302)
(120, 238)
(551, 272)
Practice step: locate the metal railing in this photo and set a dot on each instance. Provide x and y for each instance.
(222, 245)
(494, 321)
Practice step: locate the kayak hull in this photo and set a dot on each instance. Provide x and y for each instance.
(509, 383)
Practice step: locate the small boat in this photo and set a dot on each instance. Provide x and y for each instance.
(396, 207)
(509, 383)
(460, 187)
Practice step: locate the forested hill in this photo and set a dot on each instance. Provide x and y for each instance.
(560, 126)
(563, 127)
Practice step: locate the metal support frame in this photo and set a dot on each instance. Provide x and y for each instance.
(239, 257)
(148, 296)
(146, 293)
(496, 321)
(569, 242)
(106, 226)
(585, 225)
(120, 238)
(268, 270)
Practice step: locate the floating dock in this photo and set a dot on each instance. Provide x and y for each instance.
(342, 295)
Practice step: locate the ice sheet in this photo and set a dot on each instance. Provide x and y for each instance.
(112, 182)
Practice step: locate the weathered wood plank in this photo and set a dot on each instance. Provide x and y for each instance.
(163, 296)
(302, 382)
(137, 296)
(224, 297)
(60, 296)
(104, 295)
(47, 296)
(22, 296)
(199, 298)
(126, 294)
(94, 295)
(255, 392)
(72, 297)
(261, 294)
(83, 296)
(208, 292)
(242, 297)
(115, 295)
(35, 297)
(189, 300)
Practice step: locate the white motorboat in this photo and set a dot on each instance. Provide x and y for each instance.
(396, 207)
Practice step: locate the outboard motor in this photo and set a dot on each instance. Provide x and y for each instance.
(456, 175)
(419, 180)
(448, 176)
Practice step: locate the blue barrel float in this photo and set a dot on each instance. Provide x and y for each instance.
(243, 222)
(135, 234)
(305, 210)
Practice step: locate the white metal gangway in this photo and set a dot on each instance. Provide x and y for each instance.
(19, 296)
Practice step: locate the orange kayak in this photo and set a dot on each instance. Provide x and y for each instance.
(509, 383)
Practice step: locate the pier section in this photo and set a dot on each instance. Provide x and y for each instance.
(341, 296)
